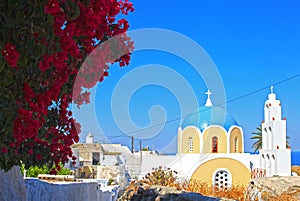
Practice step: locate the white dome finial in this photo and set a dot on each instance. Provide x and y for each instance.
(272, 89)
(208, 101)
(272, 95)
(89, 138)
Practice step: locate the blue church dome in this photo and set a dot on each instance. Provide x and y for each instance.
(207, 116)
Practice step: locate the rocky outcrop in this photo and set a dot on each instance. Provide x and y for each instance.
(107, 172)
(138, 191)
(273, 187)
(12, 185)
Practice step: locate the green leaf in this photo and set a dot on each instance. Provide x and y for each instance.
(6, 78)
(74, 10)
(1, 64)
(38, 52)
(28, 46)
(6, 95)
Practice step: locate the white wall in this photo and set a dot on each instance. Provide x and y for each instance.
(14, 187)
(284, 162)
(81, 191)
(186, 164)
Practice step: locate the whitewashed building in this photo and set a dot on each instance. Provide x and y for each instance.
(211, 147)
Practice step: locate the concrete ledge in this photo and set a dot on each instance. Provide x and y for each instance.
(75, 191)
(56, 177)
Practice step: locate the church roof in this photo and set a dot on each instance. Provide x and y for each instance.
(207, 116)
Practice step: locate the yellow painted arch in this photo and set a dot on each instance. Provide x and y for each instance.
(189, 132)
(214, 131)
(236, 134)
(239, 172)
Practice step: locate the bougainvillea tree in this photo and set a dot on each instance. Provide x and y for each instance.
(44, 45)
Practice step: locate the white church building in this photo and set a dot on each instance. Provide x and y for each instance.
(211, 147)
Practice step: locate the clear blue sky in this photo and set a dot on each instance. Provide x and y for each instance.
(253, 44)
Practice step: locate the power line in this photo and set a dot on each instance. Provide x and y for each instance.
(129, 134)
(107, 137)
(229, 101)
(261, 89)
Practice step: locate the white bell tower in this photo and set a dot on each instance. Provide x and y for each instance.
(274, 127)
(275, 156)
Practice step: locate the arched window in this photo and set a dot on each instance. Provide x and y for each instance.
(191, 148)
(236, 145)
(214, 144)
(222, 179)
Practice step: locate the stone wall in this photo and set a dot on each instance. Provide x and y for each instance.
(14, 187)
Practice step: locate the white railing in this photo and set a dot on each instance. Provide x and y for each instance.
(257, 173)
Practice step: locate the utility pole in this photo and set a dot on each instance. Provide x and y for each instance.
(141, 154)
(132, 144)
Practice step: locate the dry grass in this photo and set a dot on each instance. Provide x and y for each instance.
(235, 192)
(167, 177)
(296, 169)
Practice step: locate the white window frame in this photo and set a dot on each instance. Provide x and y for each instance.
(236, 145)
(222, 181)
(191, 144)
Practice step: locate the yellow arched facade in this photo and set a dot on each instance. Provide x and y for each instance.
(214, 139)
(239, 172)
(208, 141)
(236, 141)
(189, 141)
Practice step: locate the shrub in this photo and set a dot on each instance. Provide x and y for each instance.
(110, 181)
(34, 171)
(161, 176)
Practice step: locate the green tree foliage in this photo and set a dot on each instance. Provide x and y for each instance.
(34, 171)
(258, 139)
